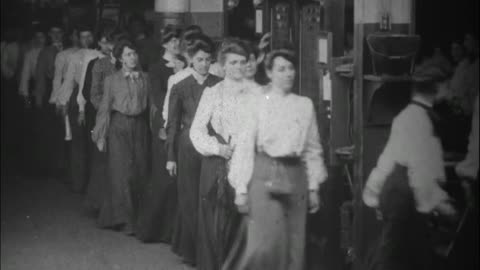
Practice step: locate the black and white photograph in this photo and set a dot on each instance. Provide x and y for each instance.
(239, 135)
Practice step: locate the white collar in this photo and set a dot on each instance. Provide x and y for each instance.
(112, 59)
(422, 100)
(232, 84)
(199, 78)
(273, 91)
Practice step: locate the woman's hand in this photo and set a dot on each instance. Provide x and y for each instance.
(370, 197)
(81, 119)
(241, 201)
(226, 151)
(446, 209)
(172, 168)
(264, 41)
(313, 202)
(162, 134)
(101, 145)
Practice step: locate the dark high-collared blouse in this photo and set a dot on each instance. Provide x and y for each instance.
(101, 69)
(183, 104)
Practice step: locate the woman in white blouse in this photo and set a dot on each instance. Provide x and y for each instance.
(276, 168)
(213, 134)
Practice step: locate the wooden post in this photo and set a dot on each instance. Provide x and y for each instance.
(335, 23)
(367, 15)
(358, 130)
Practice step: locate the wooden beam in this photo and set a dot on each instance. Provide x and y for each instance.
(335, 23)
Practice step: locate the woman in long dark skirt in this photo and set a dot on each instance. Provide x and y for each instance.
(122, 124)
(158, 208)
(101, 69)
(183, 103)
(276, 170)
(214, 131)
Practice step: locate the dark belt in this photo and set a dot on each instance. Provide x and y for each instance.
(283, 160)
(135, 116)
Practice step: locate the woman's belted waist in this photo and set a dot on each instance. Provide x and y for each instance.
(286, 160)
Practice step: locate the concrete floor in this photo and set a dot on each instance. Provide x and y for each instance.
(44, 227)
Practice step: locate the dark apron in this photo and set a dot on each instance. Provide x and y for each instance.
(404, 242)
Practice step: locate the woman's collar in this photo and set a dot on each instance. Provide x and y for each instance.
(423, 100)
(198, 77)
(275, 91)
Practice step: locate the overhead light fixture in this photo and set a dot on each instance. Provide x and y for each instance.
(231, 4)
(257, 2)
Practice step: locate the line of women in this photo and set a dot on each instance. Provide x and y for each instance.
(218, 166)
(247, 158)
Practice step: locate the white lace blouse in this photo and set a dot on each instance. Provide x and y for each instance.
(223, 105)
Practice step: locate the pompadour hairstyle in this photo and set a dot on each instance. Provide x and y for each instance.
(231, 46)
(287, 54)
(200, 43)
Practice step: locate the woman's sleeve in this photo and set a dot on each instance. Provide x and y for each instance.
(385, 166)
(57, 77)
(243, 158)
(202, 141)
(173, 124)
(68, 83)
(97, 79)
(312, 155)
(26, 75)
(103, 114)
(165, 109)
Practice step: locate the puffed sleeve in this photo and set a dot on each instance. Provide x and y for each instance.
(385, 166)
(96, 92)
(201, 140)
(174, 122)
(312, 155)
(412, 142)
(68, 83)
(243, 157)
(103, 115)
(57, 77)
(166, 103)
(27, 70)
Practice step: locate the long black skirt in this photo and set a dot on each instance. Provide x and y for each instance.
(404, 242)
(49, 143)
(218, 218)
(78, 172)
(189, 167)
(127, 170)
(97, 182)
(158, 207)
